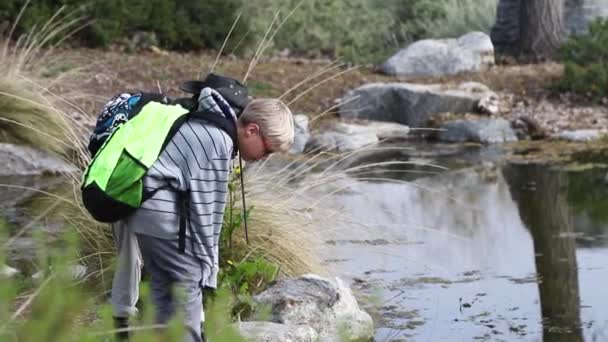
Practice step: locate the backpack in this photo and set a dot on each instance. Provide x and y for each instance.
(131, 132)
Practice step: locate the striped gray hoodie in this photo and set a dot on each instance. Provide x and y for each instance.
(196, 163)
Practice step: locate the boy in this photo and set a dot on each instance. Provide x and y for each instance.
(190, 182)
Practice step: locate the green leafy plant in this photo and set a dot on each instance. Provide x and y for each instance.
(585, 63)
(183, 25)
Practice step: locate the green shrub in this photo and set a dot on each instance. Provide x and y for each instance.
(367, 30)
(356, 30)
(182, 25)
(584, 58)
(457, 17)
(360, 31)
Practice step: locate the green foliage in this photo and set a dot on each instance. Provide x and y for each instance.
(585, 61)
(453, 18)
(359, 30)
(367, 30)
(240, 275)
(218, 324)
(356, 30)
(179, 25)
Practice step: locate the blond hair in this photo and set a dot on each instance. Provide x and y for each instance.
(275, 121)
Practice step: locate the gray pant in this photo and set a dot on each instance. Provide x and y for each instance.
(125, 284)
(175, 282)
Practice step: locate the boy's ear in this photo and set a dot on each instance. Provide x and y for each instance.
(252, 128)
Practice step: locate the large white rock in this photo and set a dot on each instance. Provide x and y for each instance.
(25, 161)
(328, 306)
(437, 57)
(276, 332)
(346, 137)
(411, 104)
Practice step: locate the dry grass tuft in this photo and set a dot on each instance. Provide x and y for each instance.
(30, 111)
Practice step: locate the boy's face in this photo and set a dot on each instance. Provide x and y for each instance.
(252, 144)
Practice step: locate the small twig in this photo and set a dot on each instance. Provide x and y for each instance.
(27, 303)
(318, 84)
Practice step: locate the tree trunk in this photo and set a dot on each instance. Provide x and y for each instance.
(542, 28)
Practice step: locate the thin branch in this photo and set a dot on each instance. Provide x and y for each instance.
(318, 84)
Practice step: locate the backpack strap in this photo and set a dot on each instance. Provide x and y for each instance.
(220, 121)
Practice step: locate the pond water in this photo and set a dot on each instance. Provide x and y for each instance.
(486, 251)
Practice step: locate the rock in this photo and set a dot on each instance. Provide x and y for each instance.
(489, 105)
(483, 131)
(276, 332)
(345, 137)
(437, 57)
(580, 135)
(76, 272)
(340, 142)
(527, 127)
(26, 161)
(8, 272)
(327, 306)
(302, 134)
(411, 104)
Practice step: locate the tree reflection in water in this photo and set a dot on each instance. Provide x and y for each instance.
(540, 194)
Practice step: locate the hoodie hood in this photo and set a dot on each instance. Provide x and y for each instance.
(210, 100)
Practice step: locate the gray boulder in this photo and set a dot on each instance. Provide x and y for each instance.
(276, 332)
(437, 57)
(327, 306)
(580, 135)
(482, 131)
(346, 137)
(26, 161)
(411, 104)
(302, 134)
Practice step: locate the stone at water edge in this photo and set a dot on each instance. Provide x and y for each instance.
(482, 131)
(412, 104)
(346, 137)
(276, 332)
(301, 134)
(471, 52)
(581, 135)
(328, 306)
(489, 105)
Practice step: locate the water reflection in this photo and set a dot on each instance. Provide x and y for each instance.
(541, 196)
(482, 253)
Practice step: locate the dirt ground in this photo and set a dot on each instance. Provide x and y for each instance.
(524, 90)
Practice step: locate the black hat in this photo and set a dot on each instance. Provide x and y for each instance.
(233, 91)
